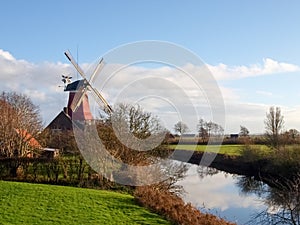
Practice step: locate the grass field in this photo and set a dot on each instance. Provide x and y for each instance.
(224, 149)
(23, 203)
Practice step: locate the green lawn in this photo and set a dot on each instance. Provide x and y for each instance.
(24, 203)
(223, 149)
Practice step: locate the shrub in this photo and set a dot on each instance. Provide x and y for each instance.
(252, 153)
(173, 207)
(71, 171)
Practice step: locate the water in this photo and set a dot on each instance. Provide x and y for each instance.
(237, 198)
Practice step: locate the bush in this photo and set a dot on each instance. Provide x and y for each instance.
(173, 207)
(71, 171)
(273, 162)
(252, 153)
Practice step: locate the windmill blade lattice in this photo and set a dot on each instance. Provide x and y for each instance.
(87, 84)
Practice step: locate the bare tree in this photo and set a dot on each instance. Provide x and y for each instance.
(291, 136)
(274, 124)
(209, 129)
(20, 124)
(129, 132)
(138, 122)
(244, 132)
(293, 133)
(281, 196)
(127, 136)
(215, 129)
(202, 130)
(63, 140)
(181, 127)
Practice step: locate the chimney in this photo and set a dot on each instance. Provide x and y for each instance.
(66, 110)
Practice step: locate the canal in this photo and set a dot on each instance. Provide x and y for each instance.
(241, 199)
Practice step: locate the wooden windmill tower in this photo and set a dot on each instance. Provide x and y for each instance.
(82, 111)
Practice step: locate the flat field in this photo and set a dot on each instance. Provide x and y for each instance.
(24, 203)
(223, 149)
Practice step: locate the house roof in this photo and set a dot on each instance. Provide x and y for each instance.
(62, 121)
(28, 138)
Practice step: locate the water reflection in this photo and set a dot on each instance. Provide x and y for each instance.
(242, 199)
(216, 192)
(282, 199)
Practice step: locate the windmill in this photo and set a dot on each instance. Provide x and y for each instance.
(84, 85)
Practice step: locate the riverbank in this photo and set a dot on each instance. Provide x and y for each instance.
(231, 164)
(261, 167)
(26, 203)
(75, 172)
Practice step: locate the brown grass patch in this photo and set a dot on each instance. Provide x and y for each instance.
(174, 208)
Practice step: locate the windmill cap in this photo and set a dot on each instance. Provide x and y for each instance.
(74, 86)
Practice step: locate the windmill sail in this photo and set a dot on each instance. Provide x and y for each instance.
(87, 85)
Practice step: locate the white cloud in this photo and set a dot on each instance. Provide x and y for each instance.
(10, 67)
(269, 66)
(230, 94)
(291, 116)
(161, 96)
(250, 115)
(38, 81)
(173, 90)
(36, 95)
(6, 55)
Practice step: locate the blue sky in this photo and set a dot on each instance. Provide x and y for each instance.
(230, 36)
(230, 32)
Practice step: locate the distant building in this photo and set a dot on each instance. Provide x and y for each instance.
(49, 153)
(234, 136)
(192, 138)
(189, 135)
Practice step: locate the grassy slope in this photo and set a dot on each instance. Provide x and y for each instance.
(23, 203)
(224, 149)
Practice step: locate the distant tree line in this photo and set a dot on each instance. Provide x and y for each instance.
(207, 129)
(275, 136)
